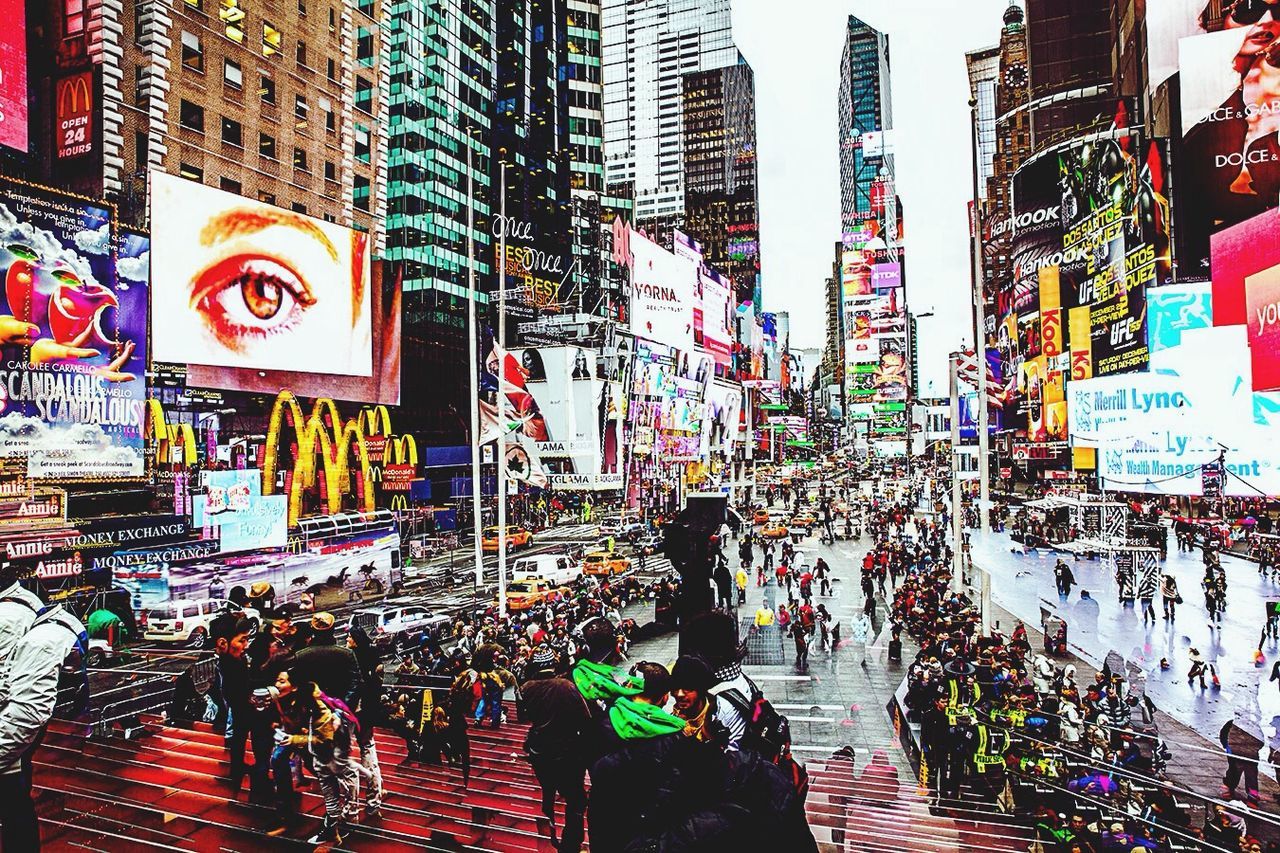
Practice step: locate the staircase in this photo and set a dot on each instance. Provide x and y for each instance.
(163, 792)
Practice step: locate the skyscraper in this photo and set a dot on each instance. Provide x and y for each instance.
(441, 102)
(865, 113)
(984, 77)
(649, 45)
(1069, 45)
(721, 196)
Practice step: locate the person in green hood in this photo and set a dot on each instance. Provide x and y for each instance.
(642, 716)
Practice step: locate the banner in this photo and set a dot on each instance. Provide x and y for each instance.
(73, 115)
(1175, 309)
(1262, 295)
(13, 76)
(72, 383)
(587, 482)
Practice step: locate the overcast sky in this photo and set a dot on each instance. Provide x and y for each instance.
(796, 58)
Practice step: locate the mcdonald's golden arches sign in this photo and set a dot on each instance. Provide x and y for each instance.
(73, 122)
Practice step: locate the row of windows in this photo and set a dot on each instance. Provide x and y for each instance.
(191, 117)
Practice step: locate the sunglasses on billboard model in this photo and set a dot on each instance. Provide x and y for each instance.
(1251, 11)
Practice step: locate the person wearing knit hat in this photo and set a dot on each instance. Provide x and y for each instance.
(691, 678)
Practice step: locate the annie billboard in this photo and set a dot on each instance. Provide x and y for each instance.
(245, 284)
(72, 382)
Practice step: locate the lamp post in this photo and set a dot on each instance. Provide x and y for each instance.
(473, 363)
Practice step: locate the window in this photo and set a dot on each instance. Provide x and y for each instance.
(139, 21)
(267, 89)
(73, 17)
(141, 149)
(301, 52)
(191, 173)
(331, 70)
(229, 185)
(194, 4)
(140, 89)
(360, 193)
(330, 117)
(302, 7)
(232, 75)
(330, 171)
(267, 198)
(298, 207)
(362, 143)
(333, 19)
(267, 146)
(192, 52)
(232, 16)
(300, 109)
(300, 159)
(364, 45)
(191, 116)
(271, 40)
(232, 133)
(364, 95)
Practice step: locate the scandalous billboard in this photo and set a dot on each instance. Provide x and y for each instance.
(13, 75)
(382, 386)
(1229, 157)
(662, 294)
(72, 381)
(240, 283)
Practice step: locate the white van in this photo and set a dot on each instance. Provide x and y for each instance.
(554, 568)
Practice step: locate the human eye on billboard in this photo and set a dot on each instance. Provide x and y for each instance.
(246, 284)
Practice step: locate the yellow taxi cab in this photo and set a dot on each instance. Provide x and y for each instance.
(761, 516)
(804, 518)
(602, 563)
(526, 593)
(775, 530)
(517, 537)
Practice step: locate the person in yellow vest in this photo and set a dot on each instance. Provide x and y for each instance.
(764, 615)
(741, 580)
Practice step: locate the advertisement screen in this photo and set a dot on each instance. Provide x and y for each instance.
(1229, 157)
(891, 369)
(1168, 22)
(855, 274)
(662, 294)
(1115, 244)
(383, 386)
(73, 381)
(717, 322)
(569, 396)
(1262, 295)
(1037, 232)
(245, 284)
(1175, 309)
(13, 75)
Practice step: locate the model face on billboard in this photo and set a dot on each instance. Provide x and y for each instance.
(1262, 17)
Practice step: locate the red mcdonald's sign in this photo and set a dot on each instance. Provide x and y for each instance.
(74, 115)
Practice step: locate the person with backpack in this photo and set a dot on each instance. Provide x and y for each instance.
(230, 633)
(39, 642)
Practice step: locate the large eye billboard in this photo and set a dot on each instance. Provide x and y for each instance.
(73, 321)
(239, 283)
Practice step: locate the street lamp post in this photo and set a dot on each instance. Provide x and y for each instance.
(473, 363)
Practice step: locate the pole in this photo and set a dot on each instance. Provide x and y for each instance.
(502, 392)
(980, 346)
(957, 521)
(473, 361)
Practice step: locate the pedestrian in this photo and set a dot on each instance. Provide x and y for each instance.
(861, 635)
(1169, 597)
(764, 615)
(39, 643)
(822, 572)
(801, 637)
(1148, 609)
(368, 715)
(741, 580)
(1242, 751)
(556, 745)
(1198, 668)
(230, 634)
(1064, 577)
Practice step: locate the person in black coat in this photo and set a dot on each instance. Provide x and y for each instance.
(333, 668)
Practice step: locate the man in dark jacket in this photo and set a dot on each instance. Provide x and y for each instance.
(332, 667)
(230, 635)
(561, 722)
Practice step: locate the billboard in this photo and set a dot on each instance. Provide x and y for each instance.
(891, 369)
(565, 390)
(855, 274)
(1262, 295)
(1168, 22)
(72, 383)
(1036, 226)
(717, 319)
(1175, 309)
(13, 76)
(382, 387)
(247, 284)
(662, 294)
(1229, 156)
(1115, 244)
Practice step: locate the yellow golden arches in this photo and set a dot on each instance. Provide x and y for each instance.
(353, 436)
(322, 406)
(400, 450)
(314, 440)
(168, 436)
(375, 420)
(285, 403)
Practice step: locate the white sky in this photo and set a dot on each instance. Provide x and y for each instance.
(794, 48)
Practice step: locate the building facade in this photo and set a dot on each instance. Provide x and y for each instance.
(984, 80)
(721, 194)
(865, 114)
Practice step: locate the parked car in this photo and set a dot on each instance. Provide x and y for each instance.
(554, 568)
(399, 620)
(627, 527)
(775, 530)
(527, 593)
(601, 563)
(517, 537)
(187, 620)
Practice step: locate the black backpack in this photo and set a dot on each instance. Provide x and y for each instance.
(768, 734)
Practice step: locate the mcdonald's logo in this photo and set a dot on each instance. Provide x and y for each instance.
(399, 503)
(74, 115)
(173, 443)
